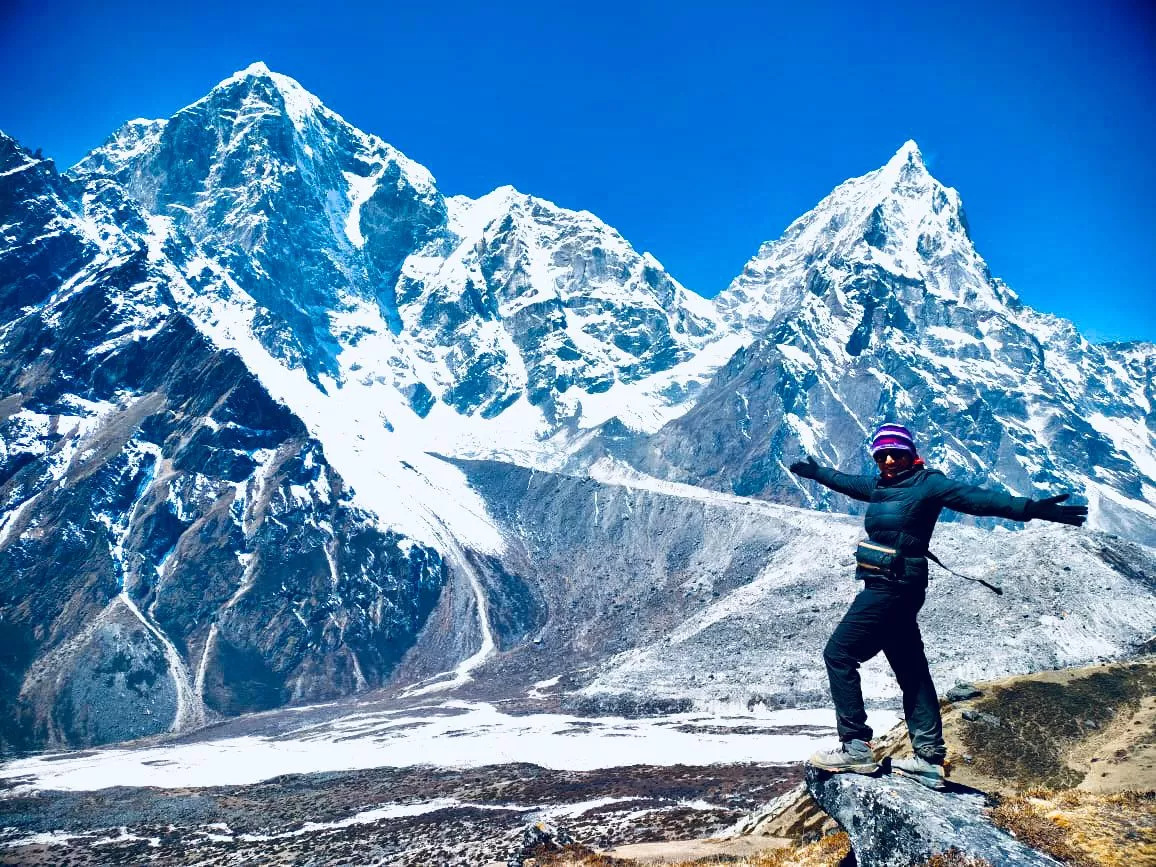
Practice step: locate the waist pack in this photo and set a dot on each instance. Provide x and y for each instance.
(886, 562)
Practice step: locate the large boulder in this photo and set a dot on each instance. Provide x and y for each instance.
(895, 822)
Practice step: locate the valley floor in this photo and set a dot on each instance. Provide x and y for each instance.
(1068, 756)
(386, 782)
(406, 816)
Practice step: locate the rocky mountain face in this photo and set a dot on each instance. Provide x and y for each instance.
(536, 303)
(174, 545)
(279, 421)
(876, 306)
(341, 241)
(277, 189)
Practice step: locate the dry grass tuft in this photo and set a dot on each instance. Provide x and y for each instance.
(830, 851)
(1084, 829)
(578, 856)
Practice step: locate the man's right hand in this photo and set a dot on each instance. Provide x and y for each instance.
(808, 469)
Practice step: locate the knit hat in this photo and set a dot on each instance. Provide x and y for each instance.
(892, 436)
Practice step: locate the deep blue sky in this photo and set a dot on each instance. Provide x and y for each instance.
(698, 131)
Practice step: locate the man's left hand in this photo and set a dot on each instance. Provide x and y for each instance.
(1049, 509)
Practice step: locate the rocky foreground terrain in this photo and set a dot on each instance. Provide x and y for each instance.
(1087, 736)
(1063, 761)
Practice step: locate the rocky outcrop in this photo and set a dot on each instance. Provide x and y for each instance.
(539, 839)
(1087, 728)
(894, 822)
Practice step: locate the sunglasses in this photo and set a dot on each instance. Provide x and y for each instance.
(896, 455)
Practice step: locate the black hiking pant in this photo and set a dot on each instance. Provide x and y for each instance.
(882, 617)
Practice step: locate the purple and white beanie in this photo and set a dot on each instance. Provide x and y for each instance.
(892, 436)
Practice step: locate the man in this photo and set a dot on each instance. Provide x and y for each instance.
(905, 501)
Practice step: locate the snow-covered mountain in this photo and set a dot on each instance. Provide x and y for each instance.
(876, 305)
(174, 544)
(280, 421)
(550, 307)
(283, 193)
(359, 269)
(244, 257)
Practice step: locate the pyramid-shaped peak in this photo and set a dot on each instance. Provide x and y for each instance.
(260, 70)
(256, 68)
(299, 102)
(911, 149)
(908, 155)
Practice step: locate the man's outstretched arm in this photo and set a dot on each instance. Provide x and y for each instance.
(974, 500)
(856, 487)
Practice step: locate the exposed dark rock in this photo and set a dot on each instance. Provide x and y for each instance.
(538, 839)
(624, 705)
(962, 692)
(972, 715)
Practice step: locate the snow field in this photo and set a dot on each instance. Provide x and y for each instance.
(477, 735)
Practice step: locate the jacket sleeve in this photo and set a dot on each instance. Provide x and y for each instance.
(974, 500)
(855, 487)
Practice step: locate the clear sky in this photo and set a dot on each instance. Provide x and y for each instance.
(697, 130)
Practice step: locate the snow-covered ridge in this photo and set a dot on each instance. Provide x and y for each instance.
(309, 115)
(390, 473)
(509, 327)
(361, 271)
(876, 305)
(395, 325)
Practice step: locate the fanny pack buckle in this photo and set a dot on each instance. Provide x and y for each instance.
(880, 559)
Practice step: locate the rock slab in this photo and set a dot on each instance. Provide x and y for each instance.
(895, 822)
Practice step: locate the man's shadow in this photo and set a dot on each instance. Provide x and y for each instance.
(949, 787)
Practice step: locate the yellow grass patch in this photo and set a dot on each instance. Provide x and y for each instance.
(826, 852)
(1084, 829)
(829, 851)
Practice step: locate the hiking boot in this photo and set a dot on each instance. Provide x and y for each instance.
(855, 756)
(922, 771)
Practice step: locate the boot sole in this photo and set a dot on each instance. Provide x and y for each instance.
(865, 768)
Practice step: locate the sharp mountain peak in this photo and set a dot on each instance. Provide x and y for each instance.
(908, 154)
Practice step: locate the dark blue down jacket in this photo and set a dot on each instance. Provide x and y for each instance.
(904, 509)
